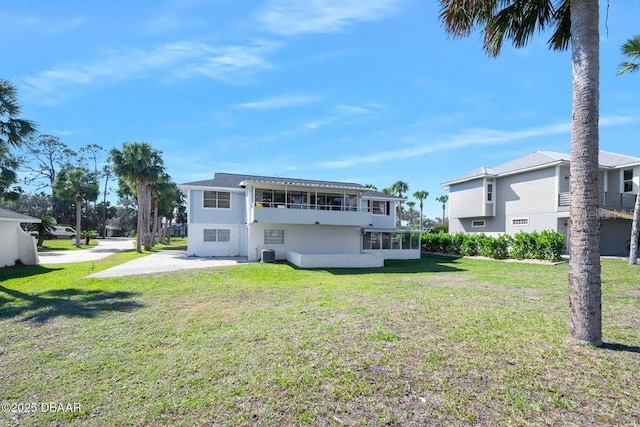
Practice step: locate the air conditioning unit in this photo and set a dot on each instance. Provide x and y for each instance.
(268, 255)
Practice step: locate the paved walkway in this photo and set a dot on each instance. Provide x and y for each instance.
(166, 261)
(105, 247)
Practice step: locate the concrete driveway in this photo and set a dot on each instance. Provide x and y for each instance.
(105, 247)
(165, 261)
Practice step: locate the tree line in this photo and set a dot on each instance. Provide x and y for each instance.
(67, 183)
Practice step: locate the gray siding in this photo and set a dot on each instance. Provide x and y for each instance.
(564, 179)
(614, 181)
(529, 195)
(466, 199)
(200, 215)
(614, 235)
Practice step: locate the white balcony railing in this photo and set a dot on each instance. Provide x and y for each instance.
(299, 215)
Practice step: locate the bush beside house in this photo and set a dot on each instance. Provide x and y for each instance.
(544, 245)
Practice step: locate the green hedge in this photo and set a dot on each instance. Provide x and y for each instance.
(547, 245)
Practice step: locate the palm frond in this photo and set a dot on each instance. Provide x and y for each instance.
(627, 67)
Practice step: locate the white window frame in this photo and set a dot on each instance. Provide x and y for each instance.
(475, 221)
(219, 235)
(275, 233)
(384, 209)
(217, 199)
(524, 222)
(490, 193)
(625, 181)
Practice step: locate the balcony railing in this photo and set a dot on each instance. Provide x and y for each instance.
(281, 213)
(607, 200)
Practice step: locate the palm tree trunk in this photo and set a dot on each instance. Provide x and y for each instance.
(443, 212)
(147, 218)
(633, 244)
(584, 265)
(154, 233)
(141, 194)
(78, 221)
(421, 205)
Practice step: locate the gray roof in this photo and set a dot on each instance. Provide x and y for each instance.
(232, 180)
(7, 215)
(540, 159)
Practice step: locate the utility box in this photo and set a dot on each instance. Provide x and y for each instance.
(268, 255)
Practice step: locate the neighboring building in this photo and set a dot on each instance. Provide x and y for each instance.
(532, 193)
(17, 246)
(310, 223)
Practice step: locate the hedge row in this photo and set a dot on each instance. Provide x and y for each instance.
(547, 245)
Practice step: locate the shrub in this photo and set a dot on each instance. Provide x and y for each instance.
(456, 242)
(469, 245)
(547, 245)
(523, 245)
(550, 245)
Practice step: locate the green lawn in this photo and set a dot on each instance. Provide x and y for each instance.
(65, 245)
(438, 341)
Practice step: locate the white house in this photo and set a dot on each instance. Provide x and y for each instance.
(17, 246)
(307, 222)
(532, 193)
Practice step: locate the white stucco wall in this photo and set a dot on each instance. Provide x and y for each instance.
(16, 245)
(335, 260)
(306, 239)
(237, 246)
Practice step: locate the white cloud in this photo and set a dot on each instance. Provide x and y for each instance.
(278, 102)
(45, 25)
(230, 63)
(290, 17)
(467, 138)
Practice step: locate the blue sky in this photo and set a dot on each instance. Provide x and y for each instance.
(361, 91)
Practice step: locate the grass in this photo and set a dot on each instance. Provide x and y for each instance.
(437, 341)
(65, 245)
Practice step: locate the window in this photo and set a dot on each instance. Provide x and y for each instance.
(377, 240)
(519, 221)
(477, 223)
(627, 177)
(274, 237)
(217, 235)
(489, 192)
(379, 207)
(216, 199)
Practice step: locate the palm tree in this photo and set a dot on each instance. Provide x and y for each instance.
(443, 199)
(142, 165)
(575, 22)
(76, 185)
(421, 196)
(411, 205)
(631, 49)
(399, 188)
(13, 131)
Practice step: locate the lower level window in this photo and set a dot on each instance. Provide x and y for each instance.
(217, 235)
(477, 223)
(381, 240)
(520, 221)
(274, 237)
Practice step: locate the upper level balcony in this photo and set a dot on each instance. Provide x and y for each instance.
(608, 200)
(305, 213)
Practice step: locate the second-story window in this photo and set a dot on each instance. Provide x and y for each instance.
(489, 192)
(379, 207)
(216, 199)
(627, 177)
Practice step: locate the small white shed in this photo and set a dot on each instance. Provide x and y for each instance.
(16, 246)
